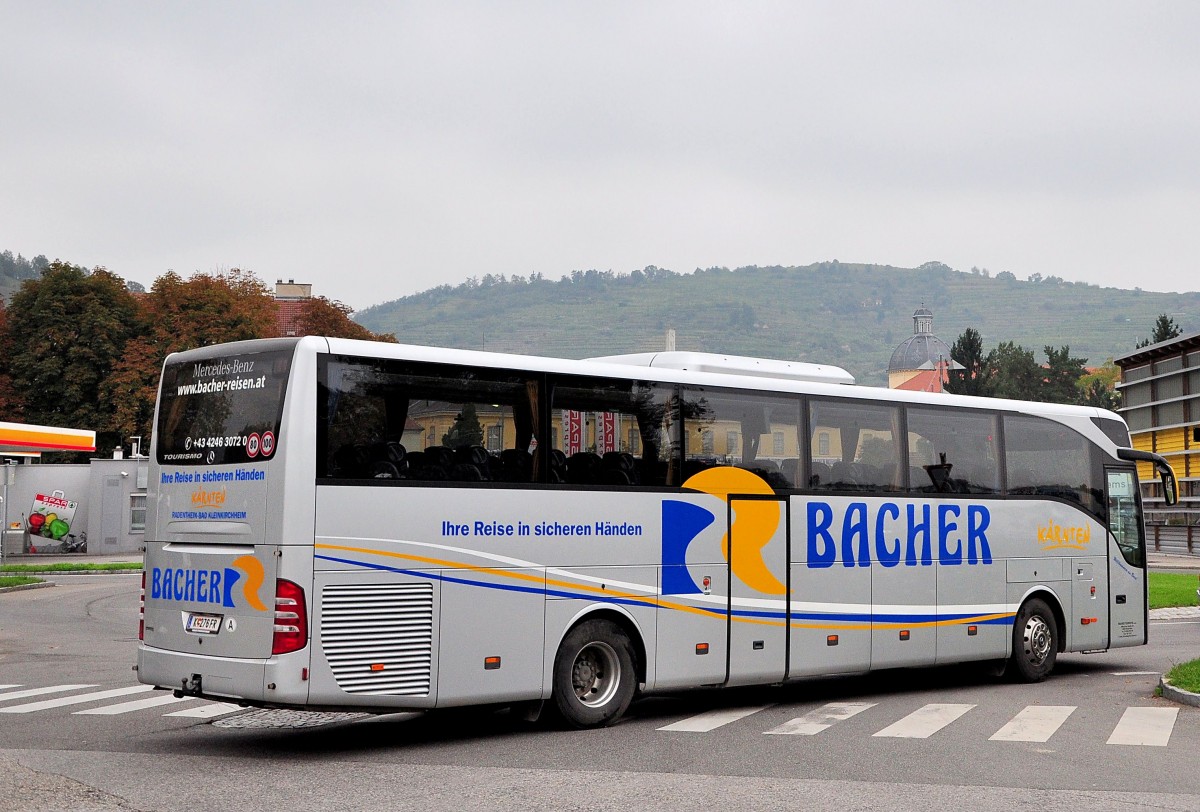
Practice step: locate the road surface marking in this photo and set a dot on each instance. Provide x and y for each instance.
(78, 699)
(1150, 727)
(924, 722)
(206, 711)
(712, 720)
(53, 689)
(822, 718)
(135, 705)
(1037, 723)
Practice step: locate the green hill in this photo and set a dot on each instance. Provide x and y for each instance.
(16, 269)
(845, 314)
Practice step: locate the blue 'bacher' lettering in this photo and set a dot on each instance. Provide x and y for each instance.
(978, 519)
(194, 585)
(956, 539)
(854, 525)
(946, 556)
(887, 557)
(820, 516)
(921, 529)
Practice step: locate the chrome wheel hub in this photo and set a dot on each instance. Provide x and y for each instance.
(1037, 640)
(595, 674)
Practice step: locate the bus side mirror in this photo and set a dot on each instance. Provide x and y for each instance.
(1170, 492)
(1165, 474)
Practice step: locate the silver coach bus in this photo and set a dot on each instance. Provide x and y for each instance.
(346, 524)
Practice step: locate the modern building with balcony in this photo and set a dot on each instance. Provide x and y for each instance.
(1160, 396)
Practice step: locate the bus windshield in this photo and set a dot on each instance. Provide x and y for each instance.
(222, 410)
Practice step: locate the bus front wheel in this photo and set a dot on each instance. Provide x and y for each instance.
(1035, 641)
(594, 674)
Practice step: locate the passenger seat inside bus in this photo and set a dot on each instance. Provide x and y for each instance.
(583, 468)
(515, 466)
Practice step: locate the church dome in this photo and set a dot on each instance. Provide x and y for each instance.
(921, 350)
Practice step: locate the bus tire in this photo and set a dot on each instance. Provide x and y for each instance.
(594, 674)
(1035, 641)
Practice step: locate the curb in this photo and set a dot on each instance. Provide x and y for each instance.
(1178, 694)
(24, 587)
(1175, 613)
(57, 573)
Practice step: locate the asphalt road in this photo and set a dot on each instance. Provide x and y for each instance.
(903, 740)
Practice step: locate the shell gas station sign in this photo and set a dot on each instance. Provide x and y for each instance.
(23, 439)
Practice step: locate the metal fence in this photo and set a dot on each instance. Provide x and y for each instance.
(1174, 539)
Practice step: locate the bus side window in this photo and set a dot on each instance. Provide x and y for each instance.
(756, 432)
(609, 433)
(854, 446)
(1044, 458)
(952, 451)
(383, 419)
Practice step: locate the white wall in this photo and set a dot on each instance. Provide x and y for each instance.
(101, 492)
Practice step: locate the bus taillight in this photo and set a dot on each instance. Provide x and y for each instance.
(291, 618)
(142, 609)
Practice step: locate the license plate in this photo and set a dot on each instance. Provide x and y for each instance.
(198, 623)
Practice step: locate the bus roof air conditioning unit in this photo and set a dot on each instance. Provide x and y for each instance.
(734, 365)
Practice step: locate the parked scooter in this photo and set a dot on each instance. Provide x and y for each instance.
(71, 544)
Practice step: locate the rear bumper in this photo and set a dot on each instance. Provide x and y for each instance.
(255, 682)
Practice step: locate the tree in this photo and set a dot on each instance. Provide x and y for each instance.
(1099, 387)
(974, 378)
(1165, 328)
(1062, 375)
(324, 317)
(72, 331)
(1014, 372)
(466, 429)
(10, 404)
(178, 315)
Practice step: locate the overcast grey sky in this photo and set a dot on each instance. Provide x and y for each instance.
(379, 149)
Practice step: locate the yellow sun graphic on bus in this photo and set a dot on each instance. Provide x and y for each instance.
(754, 523)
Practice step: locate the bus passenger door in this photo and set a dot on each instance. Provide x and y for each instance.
(1126, 561)
(758, 588)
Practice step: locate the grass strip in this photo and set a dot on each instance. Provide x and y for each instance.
(1168, 589)
(1186, 676)
(18, 580)
(72, 566)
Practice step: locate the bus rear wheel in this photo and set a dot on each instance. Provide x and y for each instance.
(1035, 641)
(594, 674)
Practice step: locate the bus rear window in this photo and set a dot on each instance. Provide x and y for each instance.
(222, 410)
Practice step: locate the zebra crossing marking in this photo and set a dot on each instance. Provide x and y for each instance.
(1036, 723)
(823, 718)
(52, 689)
(134, 705)
(924, 722)
(1150, 727)
(78, 699)
(1138, 726)
(206, 711)
(711, 720)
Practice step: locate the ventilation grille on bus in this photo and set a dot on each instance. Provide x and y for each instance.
(378, 638)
